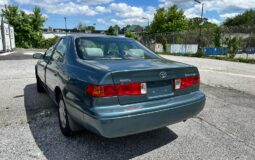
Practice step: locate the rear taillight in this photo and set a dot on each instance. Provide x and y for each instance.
(117, 90)
(186, 82)
(101, 91)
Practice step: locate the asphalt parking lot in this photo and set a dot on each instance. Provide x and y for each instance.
(225, 129)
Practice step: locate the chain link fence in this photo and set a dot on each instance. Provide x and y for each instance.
(211, 40)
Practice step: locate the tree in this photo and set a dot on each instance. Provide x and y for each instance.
(217, 37)
(47, 43)
(13, 15)
(233, 45)
(90, 28)
(245, 19)
(37, 19)
(117, 29)
(28, 27)
(131, 35)
(169, 20)
(111, 31)
(82, 27)
(194, 23)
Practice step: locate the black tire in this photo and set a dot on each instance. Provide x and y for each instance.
(39, 85)
(63, 118)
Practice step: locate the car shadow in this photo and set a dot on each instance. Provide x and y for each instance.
(42, 119)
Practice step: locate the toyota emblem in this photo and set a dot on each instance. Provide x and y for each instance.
(162, 75)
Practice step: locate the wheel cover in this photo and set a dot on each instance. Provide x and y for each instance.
(62, 114)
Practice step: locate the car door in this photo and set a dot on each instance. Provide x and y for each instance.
(55, 64)
(43, 63)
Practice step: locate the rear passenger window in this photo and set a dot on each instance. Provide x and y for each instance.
(61, 50)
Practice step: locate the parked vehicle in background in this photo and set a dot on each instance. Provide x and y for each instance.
(250, 50)
(115, 86)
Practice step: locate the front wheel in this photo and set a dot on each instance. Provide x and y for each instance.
(63, 118)
(39, 86)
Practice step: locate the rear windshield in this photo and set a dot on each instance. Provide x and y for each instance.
(111, 48)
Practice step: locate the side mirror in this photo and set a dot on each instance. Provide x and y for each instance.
(38, 56)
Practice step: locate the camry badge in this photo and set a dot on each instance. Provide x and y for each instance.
(162, 74)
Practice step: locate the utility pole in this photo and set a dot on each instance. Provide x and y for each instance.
(200, 26)
(65, 25)
(148, 22)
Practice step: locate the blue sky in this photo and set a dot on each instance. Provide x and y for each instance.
(104, 13)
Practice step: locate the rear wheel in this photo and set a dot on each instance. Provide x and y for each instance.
(63, 118)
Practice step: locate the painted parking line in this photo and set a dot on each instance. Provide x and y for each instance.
(28, 53)
(5, 54)
(227, 73)
(31, 53)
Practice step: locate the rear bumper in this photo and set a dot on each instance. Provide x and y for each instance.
(165, 112)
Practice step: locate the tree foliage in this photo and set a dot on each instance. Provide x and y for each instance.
(131, 35)
(234, 45)
(47, 43)
(245, 19)
(28, 27)
(169, 20)
(196, 23)
(82, 27)
(111, 31)
(217, 36)
(117, 28)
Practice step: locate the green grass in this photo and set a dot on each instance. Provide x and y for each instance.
(224, 58)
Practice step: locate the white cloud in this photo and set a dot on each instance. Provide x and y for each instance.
(117, 22)
(31, 12)
(71, 9)
(131, 14)
(93, 2)
(50, 2)
(192, 12)
(67, 7)
(102, 9)
(213, 20)
(124, 10)
(228, 15)
(27, 11)
(101, 21)
(180, 3)
(212, 5)
(4, 2)
(193, 9)
(127, 21)
(219, 6)
(124, 13)
(223, 5)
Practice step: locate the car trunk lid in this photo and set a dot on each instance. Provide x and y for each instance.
(158, 74)
(159, 82)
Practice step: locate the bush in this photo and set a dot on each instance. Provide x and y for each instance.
(131, 35)
(233, 45)
(25, 45)
(46, 43)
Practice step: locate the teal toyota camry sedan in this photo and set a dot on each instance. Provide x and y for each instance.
(115, 86)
